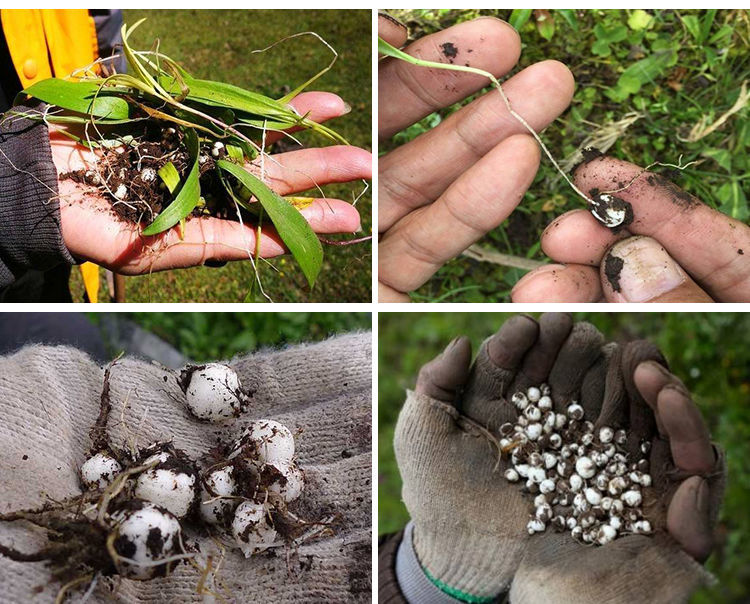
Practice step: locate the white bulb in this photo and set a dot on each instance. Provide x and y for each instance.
(271, 442)
(99, 471)
(222, 484)
(251, 528)
(171, 487)
(212, 392)
(144, 535)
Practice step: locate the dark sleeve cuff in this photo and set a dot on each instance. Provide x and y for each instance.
(30, 231)
(388, 590)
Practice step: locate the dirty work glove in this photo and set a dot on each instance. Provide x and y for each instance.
(688, 474)
(469, 523)
(49, 399)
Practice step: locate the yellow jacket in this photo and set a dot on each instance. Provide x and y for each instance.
(52, 42)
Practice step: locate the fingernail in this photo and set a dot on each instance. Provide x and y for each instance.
(347, 108)
(391, 18)
(639, 269)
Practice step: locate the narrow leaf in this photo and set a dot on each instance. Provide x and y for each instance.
(291, 226)
(187, 196)
(82, 97)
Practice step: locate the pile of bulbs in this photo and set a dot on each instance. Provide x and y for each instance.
(238, 495)
(582, 481)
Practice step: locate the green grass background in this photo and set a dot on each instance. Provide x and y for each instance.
(708, 352)
(203, 336)
(216, 44)
(696, 61)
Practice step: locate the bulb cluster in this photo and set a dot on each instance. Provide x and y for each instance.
(582, 479)
(243, 493)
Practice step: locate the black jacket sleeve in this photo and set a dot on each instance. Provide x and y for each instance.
(30, 233)
(388, 590)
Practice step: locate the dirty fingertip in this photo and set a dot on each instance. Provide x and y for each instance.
(639, 269)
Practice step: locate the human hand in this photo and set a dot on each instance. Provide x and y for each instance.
(441, 192)
(469, 522)
(676, 250)
(93, 231)
(682, 504)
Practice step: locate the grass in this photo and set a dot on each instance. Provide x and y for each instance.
(216, 44)
(210, 336)
(674, 67)
(707, 351)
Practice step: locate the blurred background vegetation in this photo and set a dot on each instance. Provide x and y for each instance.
(216, 44)
(708, 351)
(651, 82)
(209, 336)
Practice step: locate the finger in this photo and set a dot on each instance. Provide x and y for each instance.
(639, 269)
(306, 169)
(709, 245)
(411, 251)
(316, 106)
(554, 327)
(390, 295)
(558, 283)
(391, 30)
(409, 92)
(580, 351)
(688, 518)
(119, 245)
(494, 371)
(602, 395)
(688, 435)
(577, 237)
(442, 377)
(649, 378)
(415, 174)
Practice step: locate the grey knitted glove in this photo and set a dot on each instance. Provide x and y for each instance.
(469, 523)
(49, 398)
(682, 505)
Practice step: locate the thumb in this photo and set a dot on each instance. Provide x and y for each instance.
(639, 269)
(688, 518)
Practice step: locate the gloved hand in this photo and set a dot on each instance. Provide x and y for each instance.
(49, 399)
(682, 505)
(469, 523)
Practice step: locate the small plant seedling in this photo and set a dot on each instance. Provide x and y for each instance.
(612, 211)
(170, 146)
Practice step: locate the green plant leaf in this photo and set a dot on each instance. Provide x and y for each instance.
(188, 195)
(82, 97)
(692, 24)
(706, 24)
(733, 200)
(171, 177)
(639, 19)
(519, 17)
(291, 226)
(721, 157)
(570, 17)
(545, 24)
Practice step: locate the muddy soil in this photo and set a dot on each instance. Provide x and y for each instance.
(127, 177)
